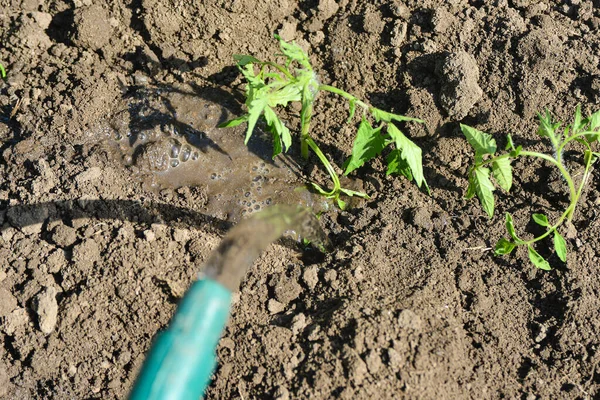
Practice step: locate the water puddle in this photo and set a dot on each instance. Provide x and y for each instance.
(168, 138)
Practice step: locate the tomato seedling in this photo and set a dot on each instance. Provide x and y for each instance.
(271, 85)
(582, 130)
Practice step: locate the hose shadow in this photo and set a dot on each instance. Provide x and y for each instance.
(21, 216)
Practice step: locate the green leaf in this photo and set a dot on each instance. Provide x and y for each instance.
(483, 143)
(590, 157)
(368, 144)
(384, 116)
(484, 189)
(352, 193)
(471, 189)
(560, 246)
(284, 95)
(592, 137)
(502, 171)
(320, 190)
(510, 227)
(504, 246)
(548, 129)
(234, 122)
(397, 165)
(243, 60)
(409, 152)
(538, 260)
(594, 121)
(255, 110)
(510, 145)
(540, 219)
(352, 110)
(281, 134)
(293, 52)
(515, 153)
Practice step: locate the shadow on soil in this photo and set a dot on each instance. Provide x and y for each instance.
(20, 216)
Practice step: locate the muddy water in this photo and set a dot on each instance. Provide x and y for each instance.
(168, 137)
(244, 242)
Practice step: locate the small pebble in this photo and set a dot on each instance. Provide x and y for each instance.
(149, 235)
(274, 306)
(46, 308)
(310, 277)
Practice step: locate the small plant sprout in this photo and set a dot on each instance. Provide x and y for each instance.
(271, 85)
(582, 131)
(2, 71)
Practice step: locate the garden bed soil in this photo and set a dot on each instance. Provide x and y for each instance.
(96, 250)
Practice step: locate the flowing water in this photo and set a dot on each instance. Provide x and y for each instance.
(244, 242)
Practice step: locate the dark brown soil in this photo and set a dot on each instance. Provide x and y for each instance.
(96, 251)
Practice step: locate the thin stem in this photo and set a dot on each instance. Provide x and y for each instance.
(557, 164)
(586, 174)
(327, 164)
(553, 227)
(280, 68)
(345, 95)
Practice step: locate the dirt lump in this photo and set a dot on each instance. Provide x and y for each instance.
(46, 308)
(93, 27)
(460, 90)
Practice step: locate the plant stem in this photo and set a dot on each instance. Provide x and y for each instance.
(334, 177)
(345, 95)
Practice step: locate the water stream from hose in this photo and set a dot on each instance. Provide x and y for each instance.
(244, 242)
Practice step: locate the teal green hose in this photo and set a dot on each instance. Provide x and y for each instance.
(182, 358)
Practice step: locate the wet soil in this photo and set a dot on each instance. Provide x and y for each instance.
(107, 213)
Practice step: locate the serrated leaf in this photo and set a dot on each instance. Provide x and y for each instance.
(548, 129)
(293, 52)
(234, 122)
(502, 171)
(540, 219)
(409, 151)
(255, 110)
(484, 189)
(560, 246)
(253, 81)
(368, 144)
(308, 98)
(504, 246)
(538, 260)
(594, 121)
(481, 142)
(243, 59)
(384, 116)
(281, 134)
(284, 95)
(510, 227)
(397, 165)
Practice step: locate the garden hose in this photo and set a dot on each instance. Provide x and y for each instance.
(182, 359)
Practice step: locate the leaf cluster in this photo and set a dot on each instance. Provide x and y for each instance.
(271, 86)
(490, 170)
